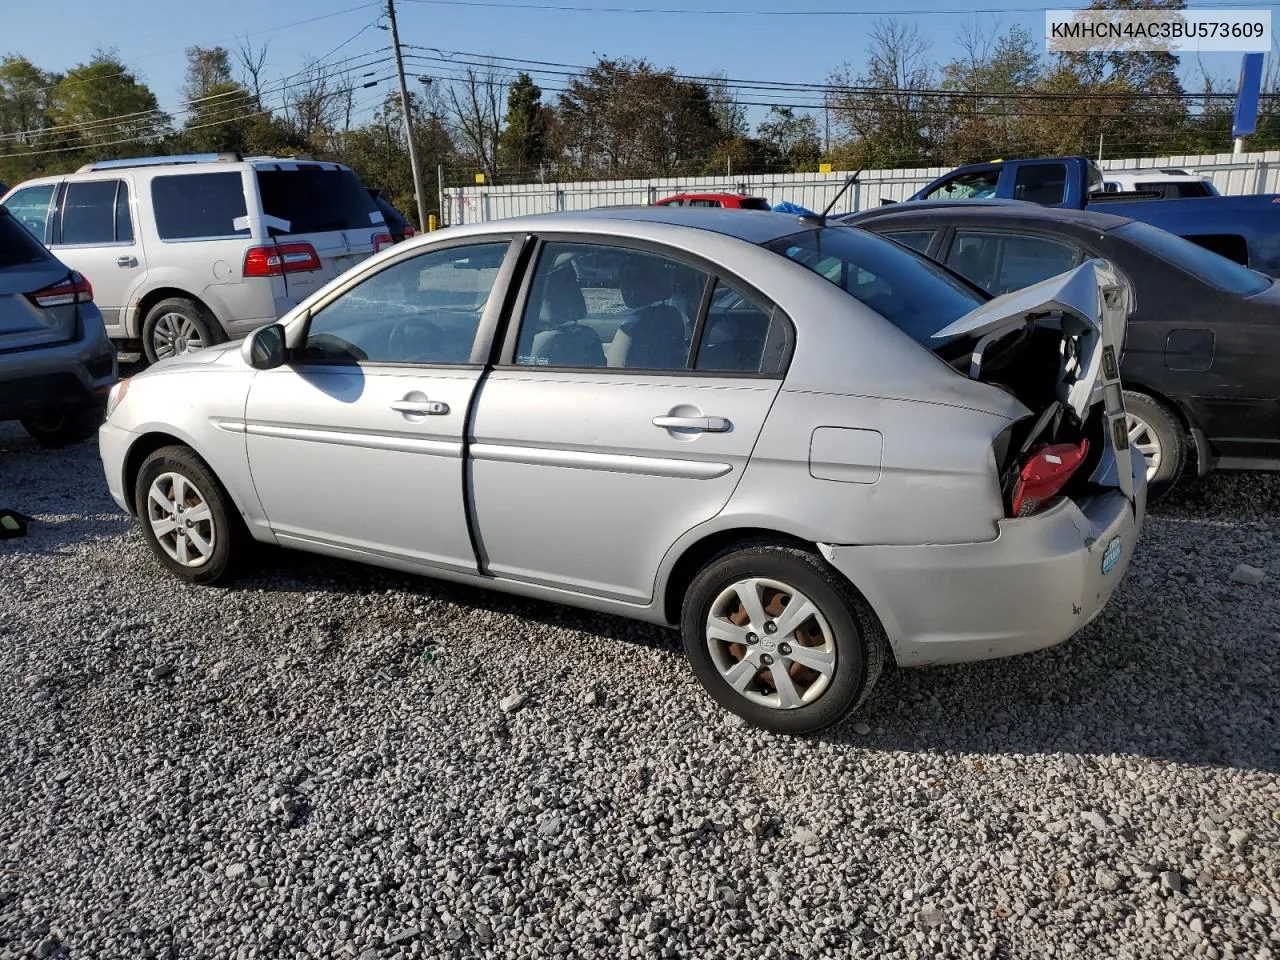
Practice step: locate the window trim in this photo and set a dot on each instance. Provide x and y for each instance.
(505, 360)
(486, 329)
(62, 204)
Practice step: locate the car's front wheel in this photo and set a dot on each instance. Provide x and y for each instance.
(61, 427)
(779, 638)
(187, 518)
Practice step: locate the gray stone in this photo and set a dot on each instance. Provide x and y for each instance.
(1106, 879)
(513, 701)
(1250, 576)
(932, 915)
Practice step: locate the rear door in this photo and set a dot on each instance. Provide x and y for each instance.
(93, 232)
(322, 204)
(620, 416)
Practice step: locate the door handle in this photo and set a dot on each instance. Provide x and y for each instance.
(126, 261)
(421, 408)
(699, 424)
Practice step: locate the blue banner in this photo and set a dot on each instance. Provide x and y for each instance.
(1246, 119)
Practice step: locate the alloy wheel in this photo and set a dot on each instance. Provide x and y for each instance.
(181, 520)
(174, 335)
(771, 643)
(1145, 440)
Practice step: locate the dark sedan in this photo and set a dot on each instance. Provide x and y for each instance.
(1201, 364)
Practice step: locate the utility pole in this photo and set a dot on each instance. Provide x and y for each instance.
(408, 119)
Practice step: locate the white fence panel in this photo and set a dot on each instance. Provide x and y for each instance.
(1245, 174)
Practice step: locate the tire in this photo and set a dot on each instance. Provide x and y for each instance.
(62, 426)
(843, 635)
(176, 326)
(211, 535)
(1154, 427)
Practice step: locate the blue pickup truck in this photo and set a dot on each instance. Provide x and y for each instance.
(1244, 229)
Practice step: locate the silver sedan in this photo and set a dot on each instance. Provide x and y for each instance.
(804, 445)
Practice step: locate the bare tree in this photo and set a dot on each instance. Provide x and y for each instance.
(476, 105)
(253, 64)
(318, 98)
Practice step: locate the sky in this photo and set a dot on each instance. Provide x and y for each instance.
(753, 42)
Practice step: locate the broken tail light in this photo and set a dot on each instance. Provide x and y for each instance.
(74, 289)
(1046, 472)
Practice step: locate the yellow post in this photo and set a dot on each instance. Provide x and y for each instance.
(431, 222)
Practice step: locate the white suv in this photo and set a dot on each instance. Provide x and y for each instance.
(187, 251)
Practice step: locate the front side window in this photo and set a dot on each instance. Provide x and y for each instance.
(422, 310)
(913, 293)
(596, 305)
(967, 186)
(200, 206)
(1001, 262)
(89, 212)
(1202, 264)
(1044, 183)
(30, 207)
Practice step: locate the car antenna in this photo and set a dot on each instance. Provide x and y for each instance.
(820, 219)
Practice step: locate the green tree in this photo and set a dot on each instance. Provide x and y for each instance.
(522, 146)
(106, 111)
(793, 139)
(25, 118)
(218, 108)
(625, 118)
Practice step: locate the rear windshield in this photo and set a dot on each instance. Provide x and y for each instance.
(1215, 270)
(754, 203)
(315, 200)
(916, 295)
(17, 247)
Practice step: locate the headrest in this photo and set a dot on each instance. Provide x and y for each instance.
(645, 280)
(562, 300)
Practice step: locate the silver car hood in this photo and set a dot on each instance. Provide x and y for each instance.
(1092, 301)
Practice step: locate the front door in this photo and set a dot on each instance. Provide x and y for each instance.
(358, 442)
(94, 232)
(620, 419)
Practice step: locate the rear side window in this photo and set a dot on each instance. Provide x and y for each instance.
(315, 200)
(89, 212)
(1040, 183)
(1196, 260)
(200, 206)
(739, 335)
(17, 246)
(917, 240)
(30, 206)
(1001, 262)
(704, 203)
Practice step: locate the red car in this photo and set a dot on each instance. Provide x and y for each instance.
(737, 201)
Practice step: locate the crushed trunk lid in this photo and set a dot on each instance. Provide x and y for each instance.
(1085, 309)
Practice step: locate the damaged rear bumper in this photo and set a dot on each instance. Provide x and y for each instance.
(1040, 581)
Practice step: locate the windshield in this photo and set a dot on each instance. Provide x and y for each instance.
(314, 200)
(1215, 270)
(916, 295)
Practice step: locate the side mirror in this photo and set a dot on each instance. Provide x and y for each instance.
(264, 349)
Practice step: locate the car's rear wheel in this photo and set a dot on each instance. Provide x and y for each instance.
(187, 518)
(779, 638)
(174, 327)
(1156, 435)
(62, 426)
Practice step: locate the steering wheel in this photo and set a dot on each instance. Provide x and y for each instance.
(416, 340)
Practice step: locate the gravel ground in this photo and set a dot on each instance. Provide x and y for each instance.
(333, 761)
